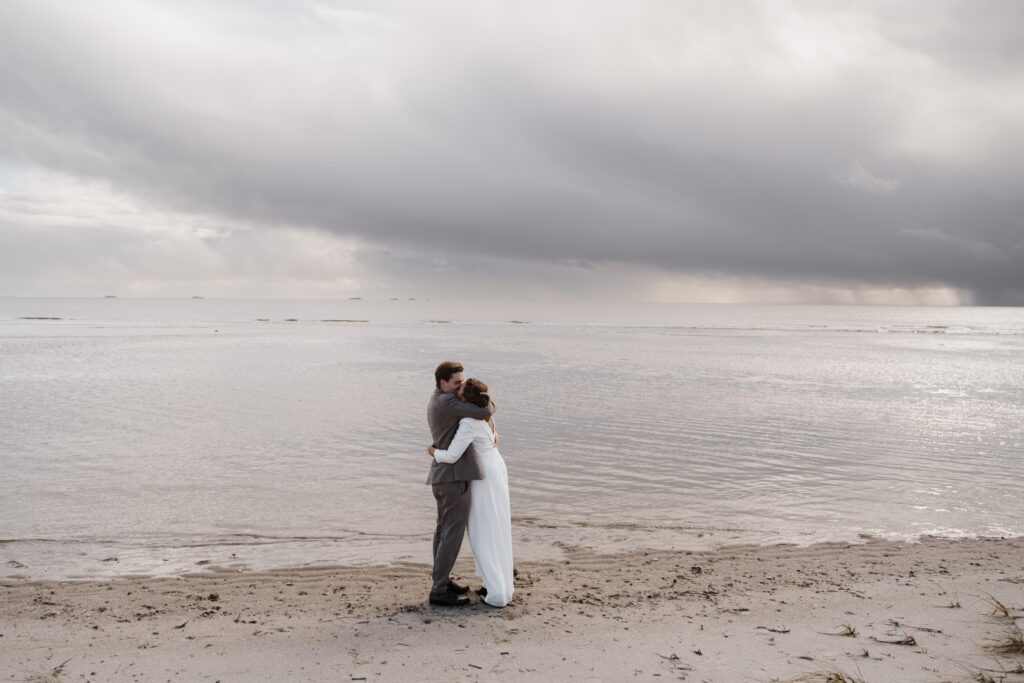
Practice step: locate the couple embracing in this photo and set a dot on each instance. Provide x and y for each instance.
(470, 485)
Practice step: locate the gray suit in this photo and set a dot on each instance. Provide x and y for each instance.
(450, 482)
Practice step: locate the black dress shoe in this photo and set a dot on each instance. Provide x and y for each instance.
(482, 592)
(456, 588)
(448, 600)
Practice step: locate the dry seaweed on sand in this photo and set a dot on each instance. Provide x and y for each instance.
(1009, 642)
(677, 663)
(925, 629)
(907, 639)
(52, 676)
(846, 630)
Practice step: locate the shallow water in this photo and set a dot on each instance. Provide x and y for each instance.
(147, 436)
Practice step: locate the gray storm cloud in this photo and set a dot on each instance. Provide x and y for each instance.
(868, 145)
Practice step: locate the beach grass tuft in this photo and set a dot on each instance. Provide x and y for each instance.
(998, 609)
(832, 675)
(1009, 642)
(847, 630)
(983, 674)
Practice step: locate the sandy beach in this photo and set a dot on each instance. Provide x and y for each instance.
(877, 611)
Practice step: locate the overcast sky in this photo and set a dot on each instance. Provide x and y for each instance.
(640, 150)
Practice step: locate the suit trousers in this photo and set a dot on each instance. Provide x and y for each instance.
(452, 516)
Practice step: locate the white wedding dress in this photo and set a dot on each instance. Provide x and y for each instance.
(490, 514)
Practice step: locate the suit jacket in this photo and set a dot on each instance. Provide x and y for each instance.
(443, 414)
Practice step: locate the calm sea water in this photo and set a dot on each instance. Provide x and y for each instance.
(151, 436)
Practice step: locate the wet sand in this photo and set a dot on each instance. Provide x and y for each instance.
(877, 612)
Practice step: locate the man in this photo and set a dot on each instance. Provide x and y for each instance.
(450, 481)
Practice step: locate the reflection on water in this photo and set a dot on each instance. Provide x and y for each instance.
(166, 441)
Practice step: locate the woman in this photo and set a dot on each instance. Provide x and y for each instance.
(490, 516)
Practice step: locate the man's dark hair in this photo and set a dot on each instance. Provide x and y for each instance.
(445, 371)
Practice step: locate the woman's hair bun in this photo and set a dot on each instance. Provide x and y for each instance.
(474, 391)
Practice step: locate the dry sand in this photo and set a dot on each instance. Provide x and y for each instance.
(735, 614)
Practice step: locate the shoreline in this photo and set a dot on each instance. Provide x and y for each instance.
(534, 540)
(876, 611)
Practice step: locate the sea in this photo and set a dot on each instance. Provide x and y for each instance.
(170, 436)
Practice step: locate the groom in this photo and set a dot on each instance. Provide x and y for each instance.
(450, 481)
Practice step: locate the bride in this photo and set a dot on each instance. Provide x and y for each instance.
(490, 517)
